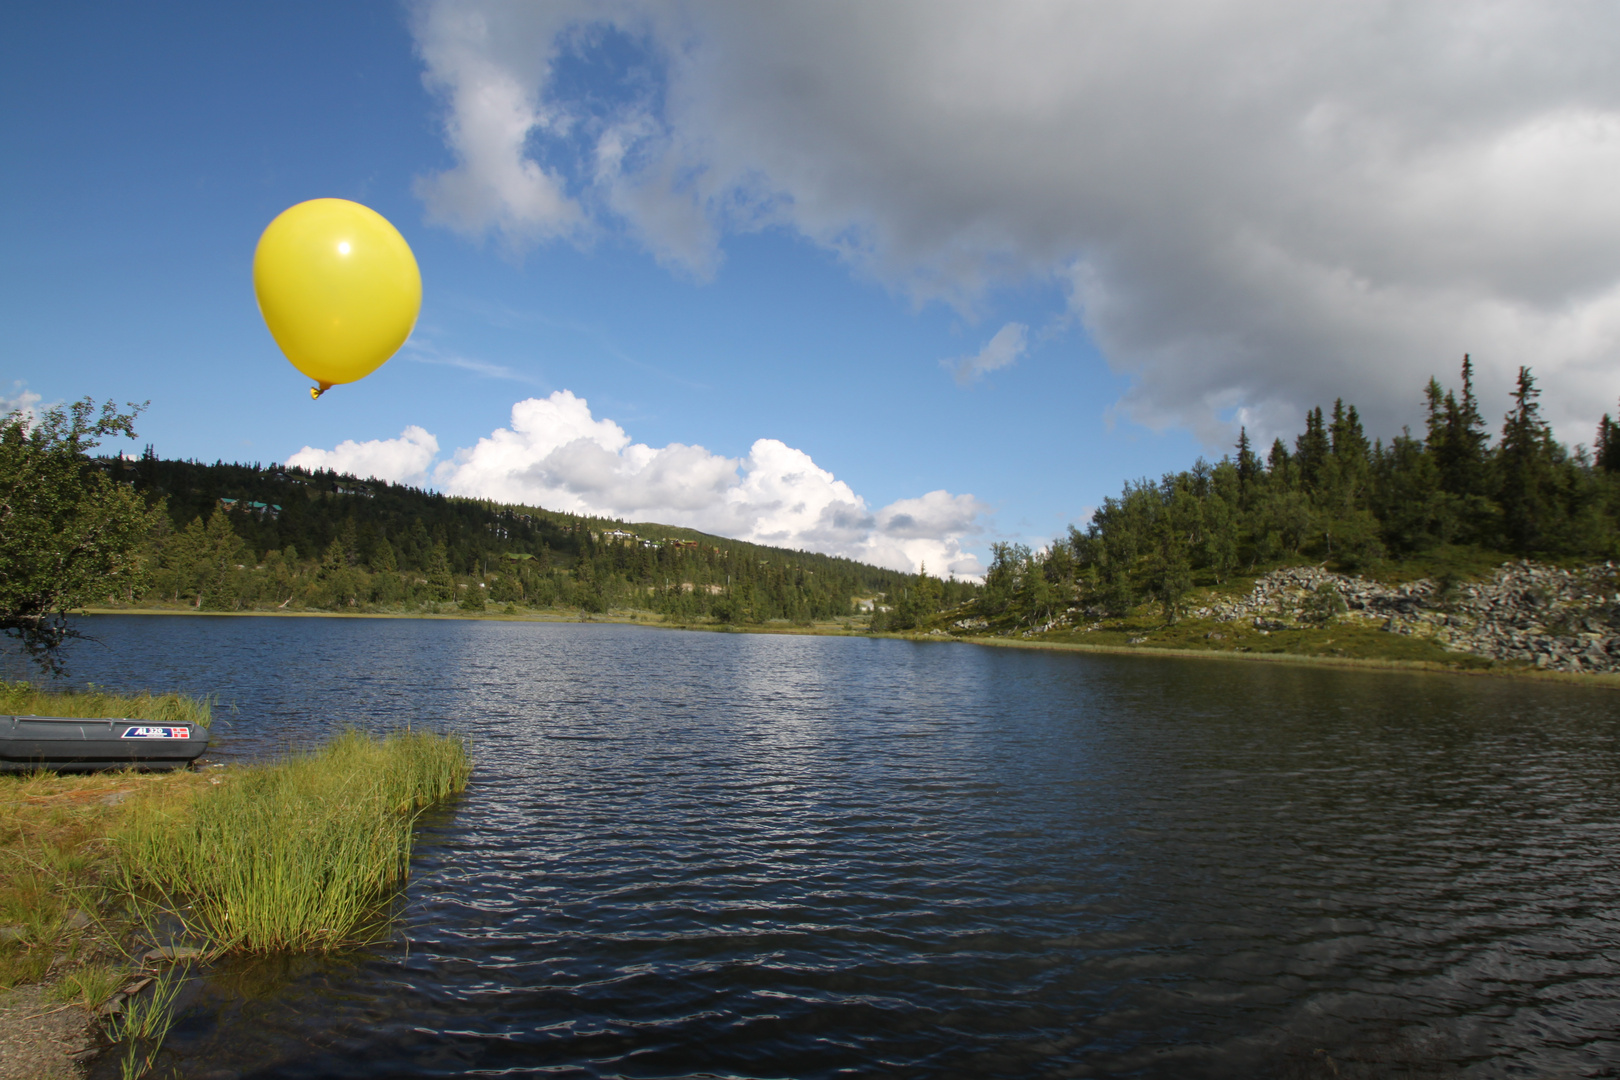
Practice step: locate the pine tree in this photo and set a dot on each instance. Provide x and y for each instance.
(1351, 458)
(1280, 465)
(1461, 453)
(441, 582)
(216, 556)
(382, 557)
(1349, 439)
(1311, 451)
(1414, 512)
(1435, 438)
(1526, 462)
(1606, 447)
(1248, 466)
(1169, 568)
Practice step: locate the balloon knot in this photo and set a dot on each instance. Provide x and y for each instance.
(316, 391)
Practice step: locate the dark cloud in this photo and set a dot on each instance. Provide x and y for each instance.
(1254, 206)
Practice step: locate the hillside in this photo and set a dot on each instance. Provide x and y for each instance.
(245, 537)
(1449, 547)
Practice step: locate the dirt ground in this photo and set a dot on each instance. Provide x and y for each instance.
(39, 1039)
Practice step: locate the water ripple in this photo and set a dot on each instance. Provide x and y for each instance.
(749, 856)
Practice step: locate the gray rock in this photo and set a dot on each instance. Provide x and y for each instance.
(1522, 612)
(171, 952)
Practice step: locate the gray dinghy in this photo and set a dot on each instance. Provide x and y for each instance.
(67, 744)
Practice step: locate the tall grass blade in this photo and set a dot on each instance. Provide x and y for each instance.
(300, 854)
(145, 1023)
(24, 699)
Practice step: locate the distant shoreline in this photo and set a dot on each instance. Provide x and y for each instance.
(818, 630)
(1606, 681)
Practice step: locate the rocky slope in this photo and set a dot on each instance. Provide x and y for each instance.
(1562, 620)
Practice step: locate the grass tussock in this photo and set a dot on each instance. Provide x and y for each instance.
(53, 829)
(302, 854)
(24, 699)
(92, 985)
(55, 861)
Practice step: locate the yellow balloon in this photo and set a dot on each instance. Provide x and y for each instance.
(338, 287)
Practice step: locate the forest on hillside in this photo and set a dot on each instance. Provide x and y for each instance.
(1449, 494)
(1456, 495)
(241, 537)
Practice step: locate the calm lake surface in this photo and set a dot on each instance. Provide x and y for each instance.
(730, 855)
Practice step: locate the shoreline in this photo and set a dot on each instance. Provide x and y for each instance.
(142, 893)
(651, 622)
(1606, 681)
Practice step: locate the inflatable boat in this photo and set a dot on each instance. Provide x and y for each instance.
(69, 744)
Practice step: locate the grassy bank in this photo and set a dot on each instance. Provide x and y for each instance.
(1318, 659)
(56, 859)
(24, 699)
(302, 853)
(511, 613)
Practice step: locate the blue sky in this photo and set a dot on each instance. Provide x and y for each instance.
(721, 224)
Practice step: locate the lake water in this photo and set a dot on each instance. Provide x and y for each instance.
(730, 855)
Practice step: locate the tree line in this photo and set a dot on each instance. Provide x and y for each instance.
(77, 530)
(237, 537)
(1331, 497)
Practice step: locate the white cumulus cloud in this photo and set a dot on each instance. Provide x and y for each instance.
(556, 454)
(21, 400)
(1254, 205)
(404, 460)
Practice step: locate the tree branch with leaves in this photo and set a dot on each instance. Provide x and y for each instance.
(70, 535)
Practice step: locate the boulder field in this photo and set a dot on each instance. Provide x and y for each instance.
(1557, 619)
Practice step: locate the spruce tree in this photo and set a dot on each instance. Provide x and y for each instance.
(441, 582)
(1435, 439)
(1351, 457)
(1414, 513)
(1311, 451)
(1462, 452)
(1169, 569)
(1526, 463)
(1606, 447)
(1280, 465)
(1248, 466)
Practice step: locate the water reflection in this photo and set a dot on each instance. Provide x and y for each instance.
(733, 855)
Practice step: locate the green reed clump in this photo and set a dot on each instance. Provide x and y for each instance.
(299, 854)
(92, 985)
(24, 699)
(144, 1023)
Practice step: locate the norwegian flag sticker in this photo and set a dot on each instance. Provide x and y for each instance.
(157, 733)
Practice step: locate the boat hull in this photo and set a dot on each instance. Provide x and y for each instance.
(70, 744)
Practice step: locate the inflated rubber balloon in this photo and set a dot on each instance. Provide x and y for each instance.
(338, 287)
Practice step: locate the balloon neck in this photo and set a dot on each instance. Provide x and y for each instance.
(316, 391)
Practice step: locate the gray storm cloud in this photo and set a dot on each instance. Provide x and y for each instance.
(1254, 207)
